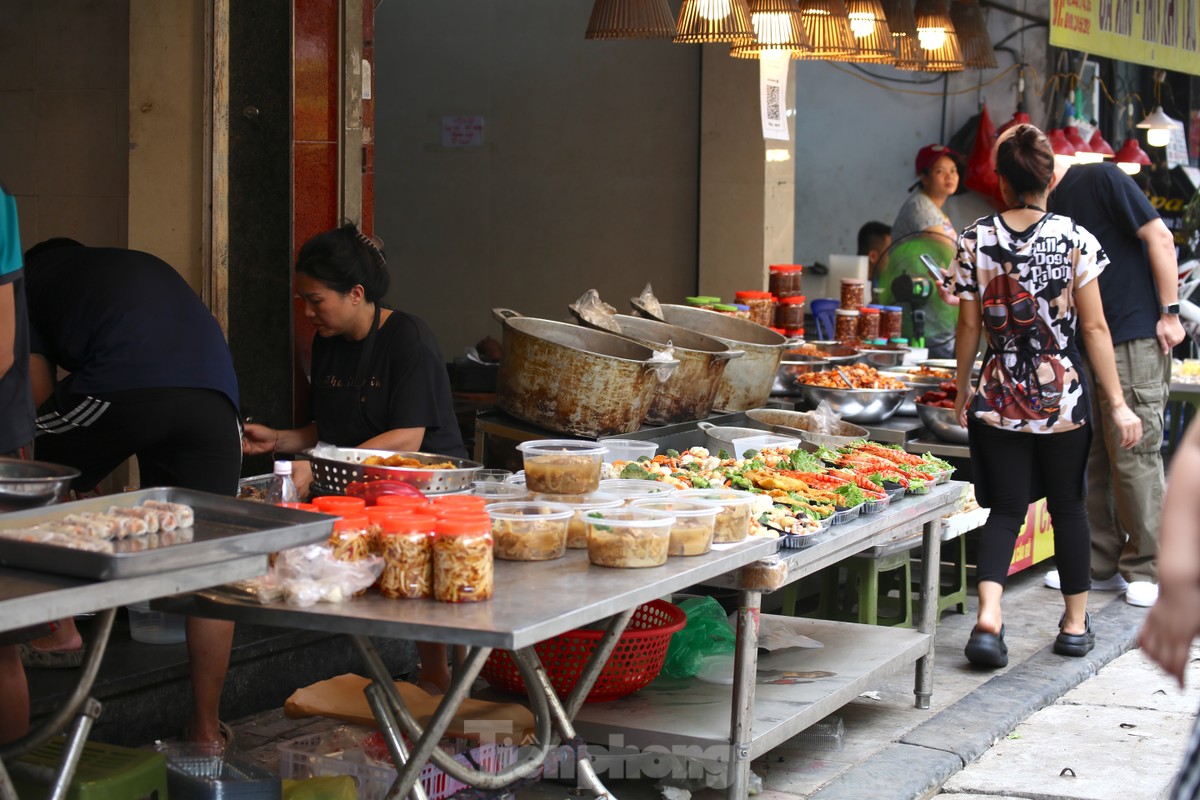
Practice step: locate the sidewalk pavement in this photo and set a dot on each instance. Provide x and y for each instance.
(1111, 718)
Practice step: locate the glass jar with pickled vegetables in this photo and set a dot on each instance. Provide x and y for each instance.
(846, 325)
(852, 293)
(462, 559)
(407, 548)
(784, 280)
(789, 314)
(350, 540)
(868, 323)
(762, 306)
(891, 320)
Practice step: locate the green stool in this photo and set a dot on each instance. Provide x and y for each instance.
(105, 772)
(859, 590)
(953, 593)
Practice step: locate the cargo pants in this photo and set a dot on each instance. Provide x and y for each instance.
(1125, 487)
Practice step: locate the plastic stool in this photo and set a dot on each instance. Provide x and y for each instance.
(858, 590)
(954, 593)
(105, 772)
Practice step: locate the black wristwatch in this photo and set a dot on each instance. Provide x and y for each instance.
(1173, 308)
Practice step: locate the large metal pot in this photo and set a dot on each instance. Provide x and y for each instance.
(747, 381)
(689, 393)
(574, 380)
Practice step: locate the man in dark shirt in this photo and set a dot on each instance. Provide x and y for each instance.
(150, 376)
(1141, 303)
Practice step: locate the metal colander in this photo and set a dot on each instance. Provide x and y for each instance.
(335, 470)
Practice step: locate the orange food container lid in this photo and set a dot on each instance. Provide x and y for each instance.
(459, 501)
(377, 514)
(301, 506)
(401, 501)
(350, 524)
(463, 524)
(409, 523)
(339, 504)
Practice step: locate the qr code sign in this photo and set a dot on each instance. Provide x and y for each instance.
(773, 105)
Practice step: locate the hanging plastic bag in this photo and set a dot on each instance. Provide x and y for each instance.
(707, 633)
(981, 173)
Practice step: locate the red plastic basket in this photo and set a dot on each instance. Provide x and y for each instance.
(636, 660)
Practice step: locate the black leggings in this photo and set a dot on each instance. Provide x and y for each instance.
(1009, 460)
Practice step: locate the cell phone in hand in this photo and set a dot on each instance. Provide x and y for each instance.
(934, 269)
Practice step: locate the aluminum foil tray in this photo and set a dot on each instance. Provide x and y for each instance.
(338, 473)
(225, 528)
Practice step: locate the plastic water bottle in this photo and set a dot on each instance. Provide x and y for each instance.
(282, 489)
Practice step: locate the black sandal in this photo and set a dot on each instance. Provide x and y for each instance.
(1075, 645)
(987, 649)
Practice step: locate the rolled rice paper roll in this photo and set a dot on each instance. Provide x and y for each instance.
(184, 516)
(93, 526)
(147, 515)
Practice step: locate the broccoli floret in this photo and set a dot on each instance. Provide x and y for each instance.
(643, 459)
(692, 466)
(700, 483)
(672, 453)
(739, 482)
(635, 472)
(751, 453)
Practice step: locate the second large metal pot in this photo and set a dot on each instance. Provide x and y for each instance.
(689, 393)
(747, 381)
(574, 380)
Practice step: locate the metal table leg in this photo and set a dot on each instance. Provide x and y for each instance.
(745, 671)
(931, 568)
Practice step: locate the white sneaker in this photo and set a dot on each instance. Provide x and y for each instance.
(1114, 584)
(1142, 593)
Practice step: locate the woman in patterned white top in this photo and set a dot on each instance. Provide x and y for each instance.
(1027, 280)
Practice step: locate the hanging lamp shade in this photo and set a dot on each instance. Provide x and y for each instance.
(631, 19)
(1100, 146)
(869, 25)
(1076, 141)
(1059, 144)
(827, 26)
(1158, 127)
(937, 36)
(1018, 118)
(778, 28)
(903, 25)
(1131, 157)
(973, 37)
(703, 21)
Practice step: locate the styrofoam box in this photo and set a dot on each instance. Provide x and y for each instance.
(302, 758)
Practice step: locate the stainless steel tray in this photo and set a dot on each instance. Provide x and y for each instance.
(338, 473)
(225, 528)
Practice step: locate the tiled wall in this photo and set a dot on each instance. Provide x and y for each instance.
(64, 130)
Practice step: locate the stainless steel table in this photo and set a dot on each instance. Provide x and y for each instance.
(31, 598)
(696, 716)
(532, 602)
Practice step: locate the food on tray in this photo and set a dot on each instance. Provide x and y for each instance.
(407, 565)
(136, 544)
(861, 376)
(59, 537)
(156, 520)
(562, 473)
(184, 517)
(943, 397)
(462, 566)
(932, 372)
(406, 462)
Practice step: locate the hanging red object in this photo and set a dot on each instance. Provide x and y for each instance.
(1059, 143)
(981, 173)
(1099, 145)
(1018, 118)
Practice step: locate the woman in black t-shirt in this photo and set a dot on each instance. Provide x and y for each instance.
(378, 379)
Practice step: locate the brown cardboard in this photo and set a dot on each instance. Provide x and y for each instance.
(342, 698)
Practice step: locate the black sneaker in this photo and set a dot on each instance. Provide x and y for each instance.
(1075, 645)
(987, 649)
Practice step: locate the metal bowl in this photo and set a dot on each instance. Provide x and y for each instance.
(806, 425)
(864, 406)
(942, 423)
(883, 359)
(336, 469)
(793, 366)
(28, 484)
(919, 383)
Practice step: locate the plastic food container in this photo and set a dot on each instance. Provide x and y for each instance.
(407, 548)
(852, 293)
(562, 466)
(533, 531)
(581, 504)
(695, 520)
(500, 492)
(350, 540)
(462, 559)
(733, 524)
(630, 489)
(517, 478)
(628, 450)
(845, 325)
(155, 627)
(629, 537)
(491, 475)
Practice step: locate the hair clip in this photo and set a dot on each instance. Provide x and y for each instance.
(375, 250)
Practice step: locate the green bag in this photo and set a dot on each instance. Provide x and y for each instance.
(707, 633)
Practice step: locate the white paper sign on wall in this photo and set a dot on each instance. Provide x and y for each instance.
(772, 82)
